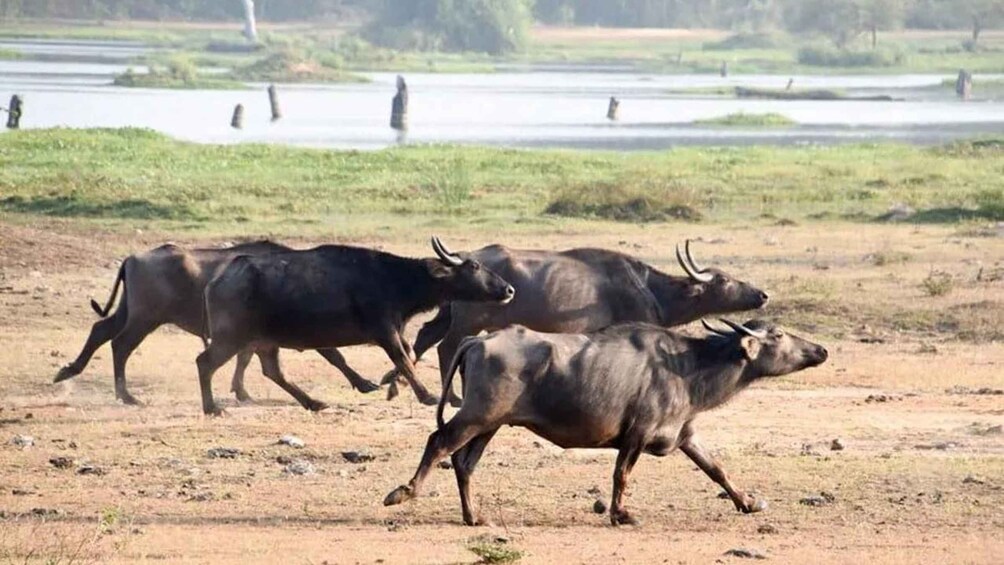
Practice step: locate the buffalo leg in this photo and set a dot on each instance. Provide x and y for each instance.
(397, 350)
(237, 385)
(101, 333)
(448, 439)
(214, 357)
(429, 334)
(446, 350)
(464, 460)
(744, 502)
(357, 381)
(270, 366)
(122, 347)
(626, 458)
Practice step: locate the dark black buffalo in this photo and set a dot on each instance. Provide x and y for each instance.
(581, 291)
(332, 296)
(635, 388)
(166, 285)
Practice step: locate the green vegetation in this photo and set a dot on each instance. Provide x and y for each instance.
(938, 283)
(131, 176)
(176, 72)
(742, 119)
(491, 551)
(7, 54)
(291, 65)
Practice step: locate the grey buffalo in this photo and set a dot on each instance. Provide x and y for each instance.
(165, 286)
(333, 296)
(635, 388)
(581, 291)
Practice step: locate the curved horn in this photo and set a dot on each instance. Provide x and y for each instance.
(711, 329)
(759, 334)
(699, 277)
(444, 254)
(690, 258)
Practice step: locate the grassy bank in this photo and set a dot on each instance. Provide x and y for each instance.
(137, 176)
(742, 119)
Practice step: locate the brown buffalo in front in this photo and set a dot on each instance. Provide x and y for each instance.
(635, 388)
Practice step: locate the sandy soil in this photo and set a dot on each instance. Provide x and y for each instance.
(920, 480)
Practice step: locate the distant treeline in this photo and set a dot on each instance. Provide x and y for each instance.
(499, 26)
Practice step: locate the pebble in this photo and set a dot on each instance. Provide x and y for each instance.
(23, 441)
(357, 456)
(223, 452)
(599, 507)
(61, 462)
(836, 445)
(292, 441)
(766, 529)
(299, 467)
(90, 470)
(745, 553)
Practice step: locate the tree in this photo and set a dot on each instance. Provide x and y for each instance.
(983, 14)
(840, 20)
(880, 14)
(491, 26)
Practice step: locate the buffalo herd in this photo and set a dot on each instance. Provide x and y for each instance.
(578, 348)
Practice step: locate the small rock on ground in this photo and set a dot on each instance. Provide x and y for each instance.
(90, 470)
(23, 441)
(745, 553)
(292, 441)
(836, 445)
(299, 467)
(766, 529)
(61, 462)
(223, 452)
(599, 507)
(357, 456)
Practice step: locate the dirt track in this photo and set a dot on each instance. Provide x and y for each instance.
(921, 478)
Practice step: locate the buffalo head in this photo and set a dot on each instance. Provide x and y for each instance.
(771, 351)
(467, 279)
(714, 291)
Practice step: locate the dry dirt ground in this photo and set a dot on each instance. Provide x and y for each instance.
(920, 478)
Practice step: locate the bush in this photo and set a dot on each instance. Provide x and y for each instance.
(938, 283)
(624, 202)
(742, 119)
(826, 56)
(990, 203)
(748, 40)
(491, 26)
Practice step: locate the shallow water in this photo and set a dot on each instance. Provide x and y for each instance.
(538, 109)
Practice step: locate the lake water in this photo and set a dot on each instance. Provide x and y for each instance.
(523, 109)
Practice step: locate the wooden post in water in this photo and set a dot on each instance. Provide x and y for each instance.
(399, 106)
(237, 122)
(14, 112)
(791, 81)
(724, 71)
(273, 100)
(613, 108)
(964, 84)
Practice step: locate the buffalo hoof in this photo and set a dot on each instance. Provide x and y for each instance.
(397, 496)
(392, 391)
(478, 522)
(317, 406)
(364, 386)
(753, 505)
(129, 400)
(622, 518)
(214, 411)
(429, 400)
(243, 397)
(389, 377)
(67, 372)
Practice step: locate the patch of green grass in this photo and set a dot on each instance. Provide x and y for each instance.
(491, 551)
(8, 54)
(137, 176)
(938, 283)
(889, 257)
(742, 119)
(290, 65)
(159, 79)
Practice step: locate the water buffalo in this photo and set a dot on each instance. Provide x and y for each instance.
(632, 387)
(581, 291)
(165, 286)
(332, 296)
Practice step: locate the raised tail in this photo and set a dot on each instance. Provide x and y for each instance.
(458, 357)
(119, 279)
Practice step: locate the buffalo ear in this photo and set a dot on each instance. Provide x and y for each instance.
(751, 347)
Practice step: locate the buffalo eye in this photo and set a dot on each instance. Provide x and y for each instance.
(475, 265)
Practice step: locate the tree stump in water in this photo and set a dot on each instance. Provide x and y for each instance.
(791, 81)
(273, 100)
(613, 108)
(237, 122)
(14, 112)
(964, 84)
(399, 106)
(724, 71)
